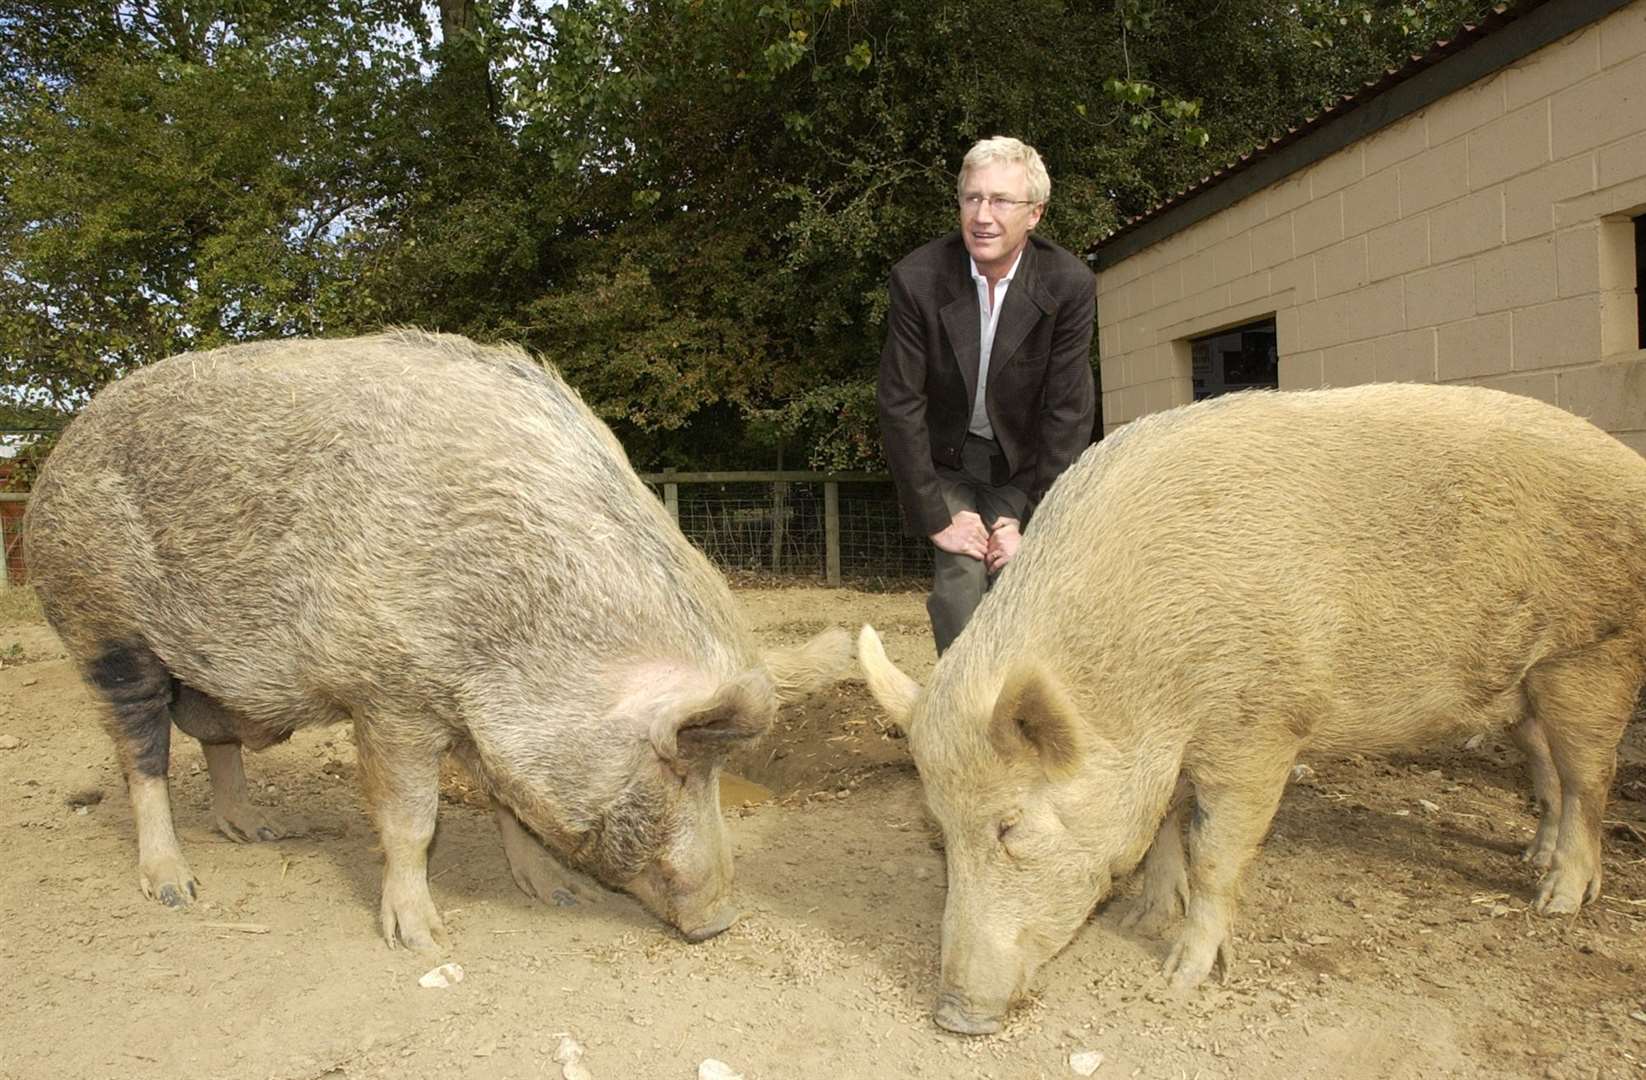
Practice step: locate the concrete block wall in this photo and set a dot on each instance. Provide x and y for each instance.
(1485, 239)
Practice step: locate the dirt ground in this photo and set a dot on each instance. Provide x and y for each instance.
(1384, 931)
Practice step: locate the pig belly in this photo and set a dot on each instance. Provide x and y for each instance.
(212, 722)
(1405, 721)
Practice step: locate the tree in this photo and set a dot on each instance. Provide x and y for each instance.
(689, 205)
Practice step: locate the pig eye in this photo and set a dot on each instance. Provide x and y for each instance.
(1004, 830)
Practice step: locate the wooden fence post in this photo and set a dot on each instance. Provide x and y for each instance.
(671, 498)
(780, 499)
(831, 533)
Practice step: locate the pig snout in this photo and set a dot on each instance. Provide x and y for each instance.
(955, 1012)
(716, 923)
(699, 909)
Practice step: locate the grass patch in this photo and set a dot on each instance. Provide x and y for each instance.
(19, 604)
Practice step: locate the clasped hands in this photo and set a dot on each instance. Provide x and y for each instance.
(994, 545)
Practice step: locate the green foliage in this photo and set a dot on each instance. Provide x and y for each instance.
(691, 206)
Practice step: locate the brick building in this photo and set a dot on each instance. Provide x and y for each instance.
(1476, 216)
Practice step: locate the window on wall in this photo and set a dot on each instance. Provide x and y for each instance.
(1640, 281)
(1244, 358)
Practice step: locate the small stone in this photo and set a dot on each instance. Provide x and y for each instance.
(570, 1055)
(84, 797)
(10, 742)
(1085, 1062)
(1431, 807)
(1301, 773)
(82, 810)
(441, 977)
(710, 1069)
(1474, 742)
(1638, 1015)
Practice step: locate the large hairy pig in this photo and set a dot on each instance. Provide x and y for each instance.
(1215, 589)
(439, 542)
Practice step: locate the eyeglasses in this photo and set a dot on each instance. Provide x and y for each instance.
(998, 203)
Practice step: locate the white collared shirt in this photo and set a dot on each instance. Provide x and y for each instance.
(990, 318)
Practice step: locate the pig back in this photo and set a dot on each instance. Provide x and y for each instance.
(297, 527)
(1322, 554)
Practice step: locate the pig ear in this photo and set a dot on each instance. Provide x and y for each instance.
(895, 691)
(740, 710)
(1033, 714)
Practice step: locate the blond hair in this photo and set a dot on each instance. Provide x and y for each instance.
(1005, 150)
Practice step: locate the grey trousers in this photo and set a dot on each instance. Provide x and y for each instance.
(959, 581)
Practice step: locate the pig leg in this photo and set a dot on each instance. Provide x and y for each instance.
(1165, 893)
(237, 818)
(535, 871)
(1235, 802)
(138, 688)
(400, 768)
(1545, 788)
(1582, 703)
(217, 728)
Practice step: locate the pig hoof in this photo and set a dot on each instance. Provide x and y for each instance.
(1539, 855)
(1564, 893)
(1146, 920)
(172, 885)
(541, 878)
(414, 923)
(247, 828)
(1191, 961)
(174, 897)
(953, 1015)
(1150, 915)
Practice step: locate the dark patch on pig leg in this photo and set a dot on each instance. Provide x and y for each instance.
(400, 769)
(138, 689)
(1582, 703)
(1235, 802)
(1545, 789)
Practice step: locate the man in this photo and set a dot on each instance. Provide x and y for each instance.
(986, 390)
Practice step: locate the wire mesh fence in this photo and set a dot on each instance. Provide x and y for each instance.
(11, 537)
(833, 527)
(830, 528)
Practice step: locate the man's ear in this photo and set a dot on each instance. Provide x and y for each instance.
(1033, 715)
(739, 711)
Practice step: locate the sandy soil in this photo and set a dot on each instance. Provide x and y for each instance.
(1384, 931)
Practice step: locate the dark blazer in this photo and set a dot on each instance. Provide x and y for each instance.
(1041, 397)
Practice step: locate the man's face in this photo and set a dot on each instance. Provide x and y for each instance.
(995, 233)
